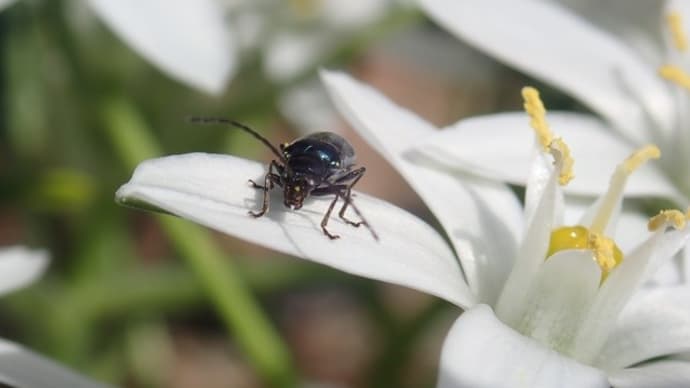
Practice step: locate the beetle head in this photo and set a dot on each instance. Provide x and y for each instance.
(296, 190)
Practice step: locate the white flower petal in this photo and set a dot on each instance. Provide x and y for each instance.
(480, 351)
(659, 374)
(187, 39)
(537, 181)
(20, 367)
(637, 23)
(559, 297)
(468, 208)
(20, 267)
(212, 190)
(614, 294)
(587, 62)
(670, 243)
(655, 323)
(499, 147)
(531, 254)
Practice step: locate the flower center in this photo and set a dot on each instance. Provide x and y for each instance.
(605, 251)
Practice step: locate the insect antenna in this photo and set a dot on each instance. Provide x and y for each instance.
(218, 120)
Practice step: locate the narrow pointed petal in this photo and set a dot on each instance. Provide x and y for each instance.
(20, 267)
(587, 62)
(613, 295)
(212, 190)
(480, 351)
(655, 323)
(659, 374)
(531, 254)
(20, 367)
(468, 208)
(507, 155)
(187, 39)
(670, 243)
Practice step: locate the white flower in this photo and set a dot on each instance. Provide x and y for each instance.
(20, 367)
(293, 37)
(610, 62)
(186, 39)
(557, 321)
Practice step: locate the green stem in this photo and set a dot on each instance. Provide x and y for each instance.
(221, 281)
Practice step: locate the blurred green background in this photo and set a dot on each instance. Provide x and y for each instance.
(144, 300)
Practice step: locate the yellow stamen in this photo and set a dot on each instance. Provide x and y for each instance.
(618, 180)
(566, 161)
(675, 25)
(676, 75)
(639, 157)
(537, 113)
(674, 218)
(605, 251)
(556, 146)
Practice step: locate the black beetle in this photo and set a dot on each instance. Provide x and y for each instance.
(318, 164)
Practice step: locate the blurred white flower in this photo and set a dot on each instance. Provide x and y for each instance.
(557, 312)
(186, 39)
(293, 37)
(20, 367)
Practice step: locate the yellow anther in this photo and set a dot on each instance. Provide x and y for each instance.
(556, 146)
(563, 159)
(675, 25)
(604, 250)
(639, 157)
(676, 75)
(537, 113)
(674, 218)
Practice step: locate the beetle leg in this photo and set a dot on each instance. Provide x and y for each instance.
(270, 179)
(355, 175)
(347, 197)
(326, 216)
(344, 191)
